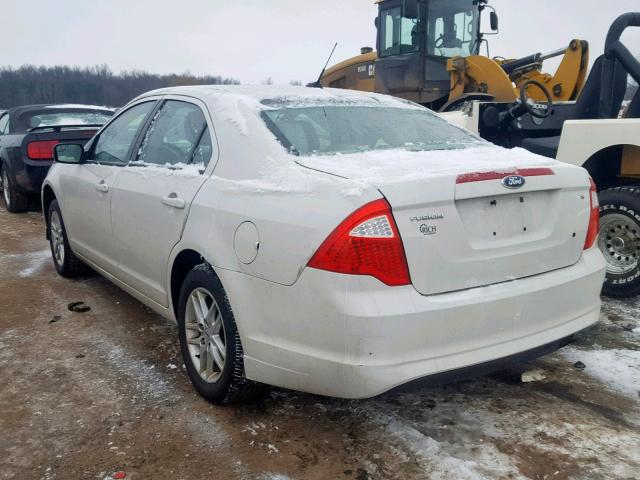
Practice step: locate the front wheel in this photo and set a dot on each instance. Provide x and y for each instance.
(65, 261)
(210, 341)
(619, 240)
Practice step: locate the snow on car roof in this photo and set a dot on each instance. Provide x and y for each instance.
(265, 96)
(77, 107)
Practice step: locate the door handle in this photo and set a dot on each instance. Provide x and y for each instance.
(102, 187)
(173, 201)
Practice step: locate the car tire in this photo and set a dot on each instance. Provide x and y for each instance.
(14, 201)
(619, 240)
(65, 261)
(208, 335)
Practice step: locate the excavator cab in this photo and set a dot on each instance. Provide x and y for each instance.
(428, 51)
(416, 40)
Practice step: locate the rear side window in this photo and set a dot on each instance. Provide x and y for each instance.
(175, 136)
(4, 124)
(115, 141)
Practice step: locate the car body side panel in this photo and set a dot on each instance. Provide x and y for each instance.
(145, 230)
(86, 210)
(581, 139)
(293, 208)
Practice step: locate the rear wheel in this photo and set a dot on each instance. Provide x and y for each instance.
(65, 261)
(210, 341)
(619, 240)
(14, 201)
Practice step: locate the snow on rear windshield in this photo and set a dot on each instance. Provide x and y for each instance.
(332, 129)
(68, 118)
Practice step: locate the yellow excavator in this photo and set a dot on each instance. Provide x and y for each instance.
(428, 51)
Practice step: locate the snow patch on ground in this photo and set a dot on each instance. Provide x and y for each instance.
(439, 462)
(148, 382)
(619, 369)
(34, 262)
(5, 341)
(26, 264)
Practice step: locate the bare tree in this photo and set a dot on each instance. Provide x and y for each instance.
(94, 85)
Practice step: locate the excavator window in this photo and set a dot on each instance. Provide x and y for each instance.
(452, 28)
(399, 33)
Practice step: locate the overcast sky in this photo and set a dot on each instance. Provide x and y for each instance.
(252, 40)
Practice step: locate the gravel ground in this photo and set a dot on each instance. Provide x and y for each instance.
(87, 395)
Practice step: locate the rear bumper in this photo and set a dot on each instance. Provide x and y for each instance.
(29, 178)
(352, 337)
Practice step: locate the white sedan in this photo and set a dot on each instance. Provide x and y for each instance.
(327, 241)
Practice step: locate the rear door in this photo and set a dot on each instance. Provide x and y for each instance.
(86, 189)
(153, 194)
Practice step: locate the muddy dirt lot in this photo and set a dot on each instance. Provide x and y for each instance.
(87, 395)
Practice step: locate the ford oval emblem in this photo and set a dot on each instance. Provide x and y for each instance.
(514, 181)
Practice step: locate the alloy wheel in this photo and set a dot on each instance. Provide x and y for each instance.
(205, 335)
(57, 238)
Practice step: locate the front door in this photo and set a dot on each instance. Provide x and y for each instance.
(153, 194)
(88, 187)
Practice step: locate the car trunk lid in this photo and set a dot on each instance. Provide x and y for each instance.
(461, 227)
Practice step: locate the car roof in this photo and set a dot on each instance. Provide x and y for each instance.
(16, 111)
(260, 93)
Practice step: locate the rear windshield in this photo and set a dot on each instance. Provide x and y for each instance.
(328, 130)
(66, 118)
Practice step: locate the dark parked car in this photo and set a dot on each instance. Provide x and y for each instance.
(27, 138)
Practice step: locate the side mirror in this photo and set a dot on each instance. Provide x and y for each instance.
(493, 19)
(68, 153)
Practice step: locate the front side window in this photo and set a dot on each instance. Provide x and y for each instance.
(173, 135)
(452, 28)
(4, 124)
(399, 34)
(115, 141)
(350, 129)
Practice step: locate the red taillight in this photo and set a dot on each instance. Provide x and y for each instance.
(41, 150)
(366, 243)
(594, 217)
